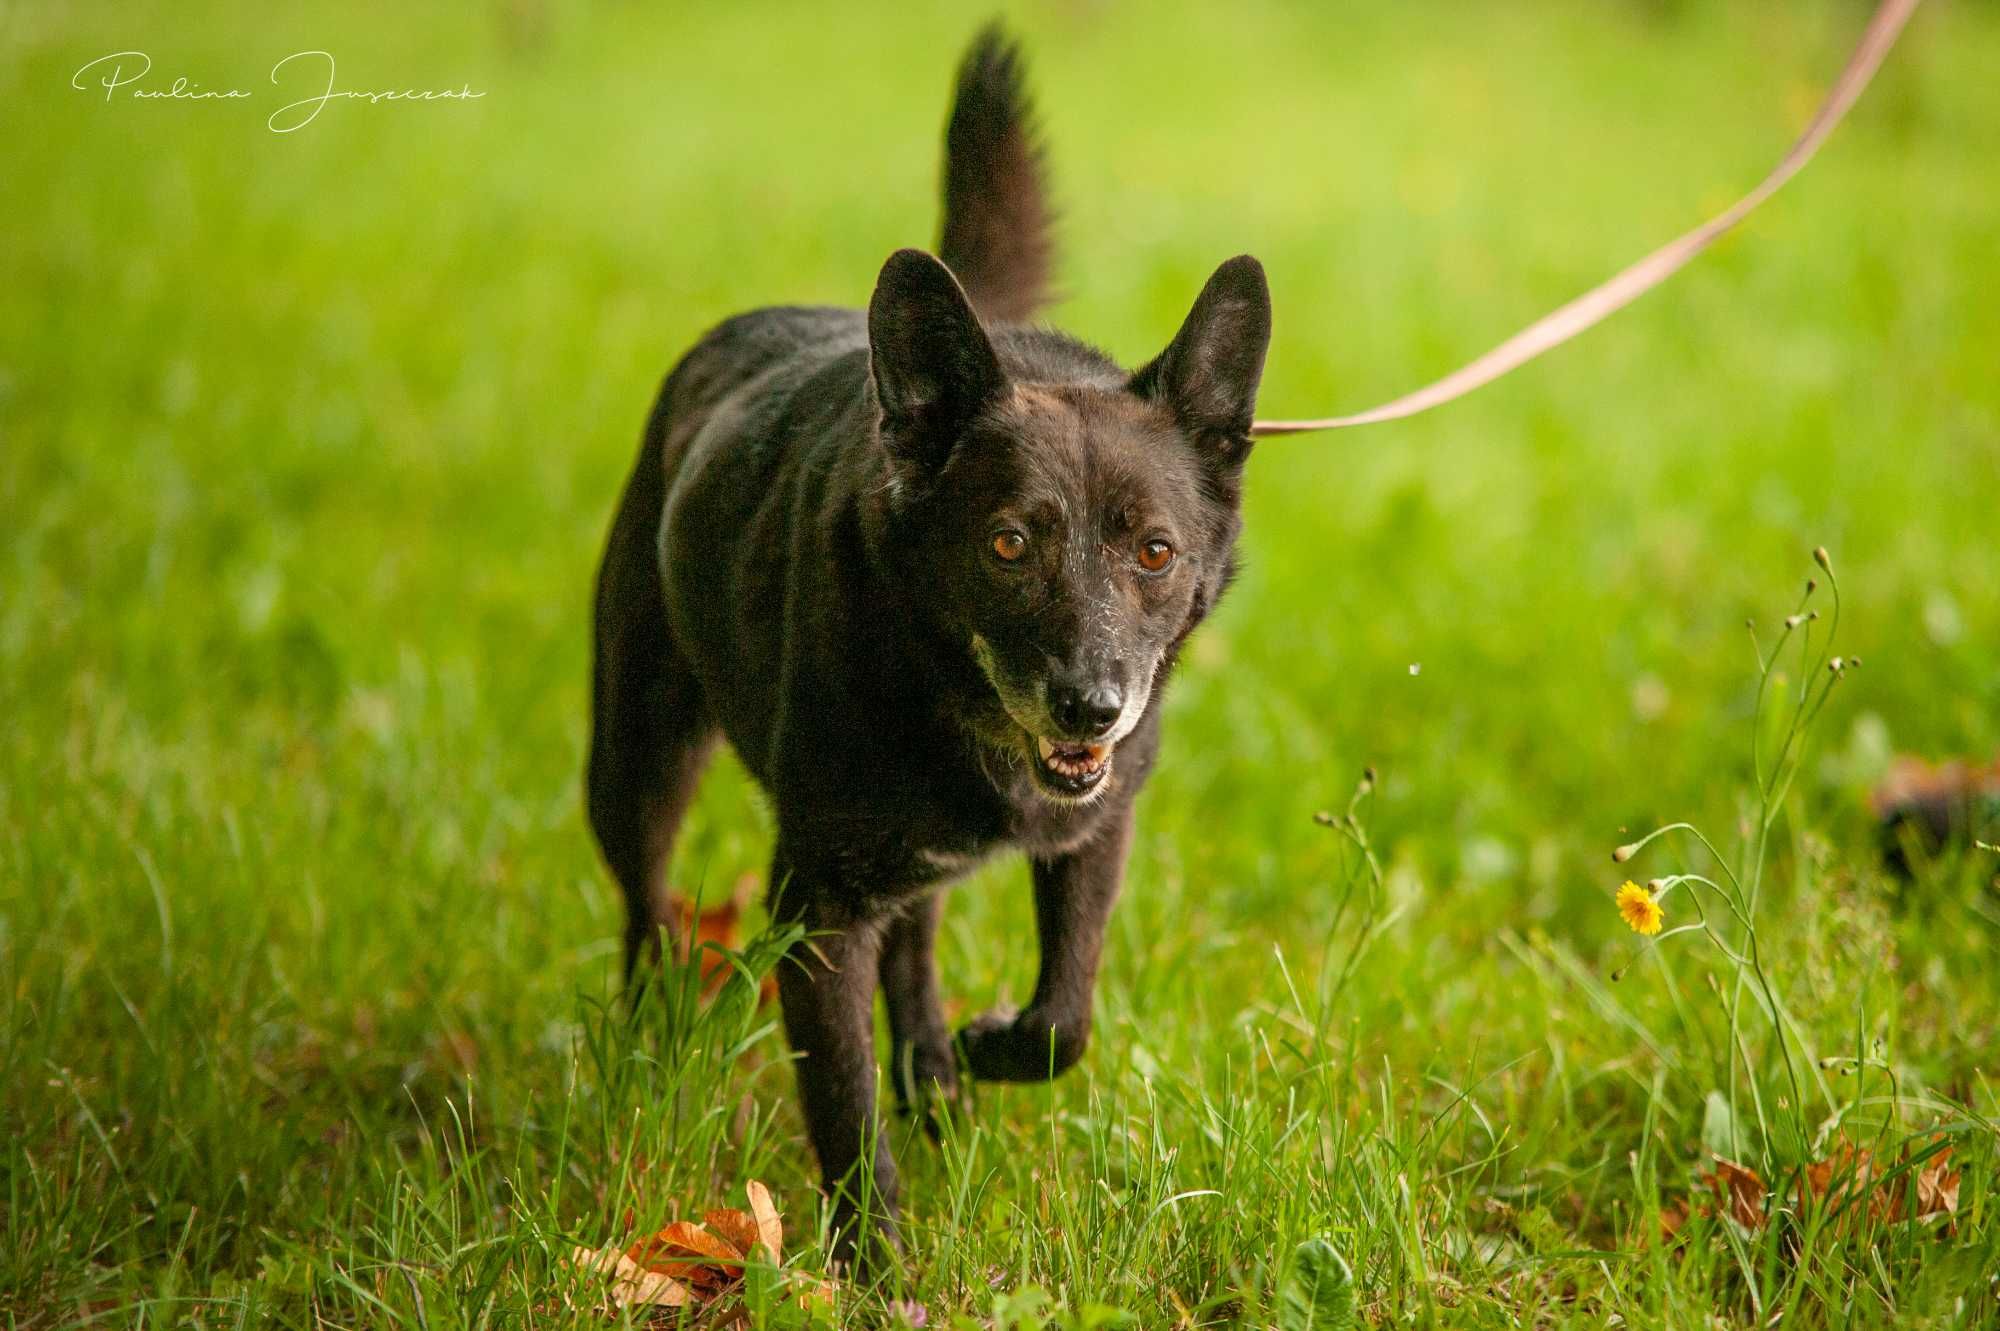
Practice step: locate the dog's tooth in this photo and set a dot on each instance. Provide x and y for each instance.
(1047, 749)
(1096, 752)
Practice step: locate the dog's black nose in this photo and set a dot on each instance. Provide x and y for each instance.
(1088, 711)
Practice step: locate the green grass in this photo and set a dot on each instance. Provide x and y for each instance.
(307, 444)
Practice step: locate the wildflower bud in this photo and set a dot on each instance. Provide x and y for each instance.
(1835, 665)
(1656, 885)
(1812, 585)
(1793, 621)
(1853, 663)
(1820, 557)
(1367, 779)
(1625, 852)
(1323, 818)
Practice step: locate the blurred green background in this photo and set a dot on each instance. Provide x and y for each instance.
(308, 442)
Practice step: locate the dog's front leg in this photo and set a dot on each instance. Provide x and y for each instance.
(1073, 897)
(827, 988)
(924, 1069)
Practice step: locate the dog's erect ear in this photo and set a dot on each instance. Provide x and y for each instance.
(932, 365)
(1208, 374)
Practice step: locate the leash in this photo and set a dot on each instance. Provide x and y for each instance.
(1614, 294)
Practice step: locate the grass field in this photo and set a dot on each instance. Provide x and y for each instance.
(307, 445)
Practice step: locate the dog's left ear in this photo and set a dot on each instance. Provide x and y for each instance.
(1208, 374)
(931, 363)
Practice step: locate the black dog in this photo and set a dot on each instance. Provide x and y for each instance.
(927, 569)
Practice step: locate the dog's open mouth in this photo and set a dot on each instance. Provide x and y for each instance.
(1069, 769)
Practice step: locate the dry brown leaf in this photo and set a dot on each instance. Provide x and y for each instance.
(721, 924)
(1850, 1174)
(1843, 1178)
(1849, 1180)
(1937, 1187)
(734, 1227)
(462, 1050)
(1672, 1216)
(632, 1286)
(1740, 1190)
(1912, 782)
(1934, 801)
(686, 1251)
(700, 1264)
(770, 1229)
(816, 1292)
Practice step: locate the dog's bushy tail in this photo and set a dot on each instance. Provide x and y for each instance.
(996, 215)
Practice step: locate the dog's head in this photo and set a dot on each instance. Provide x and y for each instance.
(1062, 523)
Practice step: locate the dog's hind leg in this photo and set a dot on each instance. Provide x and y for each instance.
(651, 729)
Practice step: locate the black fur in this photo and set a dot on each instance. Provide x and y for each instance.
(884, 554)
(996, 215)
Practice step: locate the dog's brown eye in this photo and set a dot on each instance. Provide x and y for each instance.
(1154, 556)
(1009, 545)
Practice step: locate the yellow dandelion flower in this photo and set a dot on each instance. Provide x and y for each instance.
(1639, 910)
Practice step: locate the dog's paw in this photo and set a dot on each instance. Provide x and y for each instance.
(1003, 1045)
(994, 1021)
(863, 1245)
(985, 1041)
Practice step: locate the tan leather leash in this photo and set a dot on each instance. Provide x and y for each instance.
(1558, 327)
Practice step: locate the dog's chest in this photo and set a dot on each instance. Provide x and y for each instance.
(897, 852)
(942, 847)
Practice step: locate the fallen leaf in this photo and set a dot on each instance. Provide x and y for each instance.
(1850, 1174)
(722, 925)
(816, 1292)
(1818, 1176)
(770, 1229)
(1843, 1178)
(1935, 801)
(632, 1286)
(1913, 783)
(1672, 1216)
(462, 1050)
(1937, 1187)
(735, 1227)
(690, 1264)
(1849, 1180)
(686, 1251)
(1740, 1190)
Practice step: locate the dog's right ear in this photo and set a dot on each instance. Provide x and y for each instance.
(930, 362)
